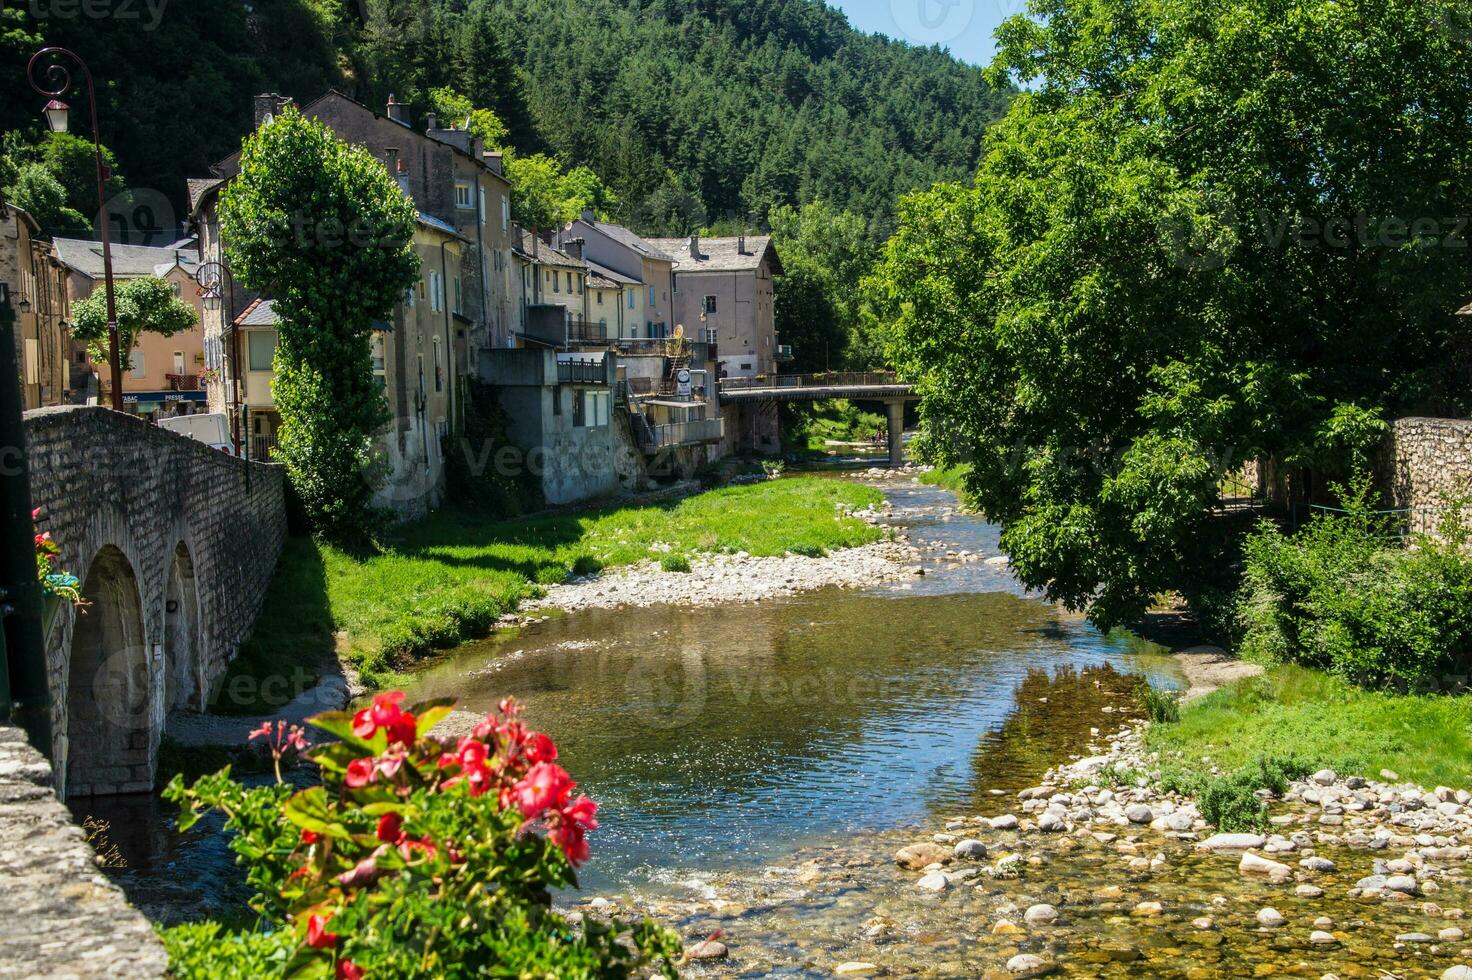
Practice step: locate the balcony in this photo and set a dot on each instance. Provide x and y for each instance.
(576, 371)
(580, 331)
(656, 438)
(182, 382)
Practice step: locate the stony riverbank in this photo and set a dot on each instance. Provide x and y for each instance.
(714, 579)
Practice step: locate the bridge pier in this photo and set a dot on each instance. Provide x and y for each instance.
(896, 409)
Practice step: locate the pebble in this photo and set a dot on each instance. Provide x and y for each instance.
(1040, 915)
(935, 881)
(1458, 972)
(969, 849)
(1148, 909)
(1204, 922)
(1028, 965)
(917, 857)
(1270, 917)
(710, 949)
(1451, 934)
(1309, 891)
(1253, 864)
(1005, 822)
(1414, 937)
(1051, 822)
(855, 968)
(1232, 842)
(1404, 884)
(1317, 864)
(1006, 927)
(1324, 777)
(1139, 813)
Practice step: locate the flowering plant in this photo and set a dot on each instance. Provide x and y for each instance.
(53, 583)
(418, 856)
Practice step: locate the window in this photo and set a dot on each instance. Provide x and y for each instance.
(710, 335)
(569, 282)
(557, 399)
(178, 362)
(463, 199)
(436, 291)
(505, 212)
(600, 297)
(710, 304)
(439, 371)
(33, 361)
(380, 362)
(651, 295)
(580, 285)
(459, 296)
(482, 206)
(579, 408)
(139, 371)
(556, 282)
(262, 348)
(631, 299)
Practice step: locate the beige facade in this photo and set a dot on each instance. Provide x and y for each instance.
(724, 296)
(647, 273)
(163, 376)
(39, 299)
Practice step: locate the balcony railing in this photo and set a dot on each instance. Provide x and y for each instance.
(580, 331)
(182, 382)
(580, 372)
(836, 379)
(654, 438)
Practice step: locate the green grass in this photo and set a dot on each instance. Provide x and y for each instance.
(439, 582)
(1323, 721)
(951, 478)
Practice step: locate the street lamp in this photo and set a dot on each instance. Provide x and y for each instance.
(58, 83)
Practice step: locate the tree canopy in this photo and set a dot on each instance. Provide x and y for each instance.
(1211, 231)
(321, 228)
(147, 303)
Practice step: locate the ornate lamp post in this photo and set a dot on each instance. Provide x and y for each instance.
(57, 83)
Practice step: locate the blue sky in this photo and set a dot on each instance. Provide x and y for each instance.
(964, 26)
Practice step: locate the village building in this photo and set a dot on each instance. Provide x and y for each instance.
(39, 299)
(165, 375)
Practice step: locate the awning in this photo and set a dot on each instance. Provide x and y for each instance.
(164, 396)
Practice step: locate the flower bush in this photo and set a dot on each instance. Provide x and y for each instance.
(53, 583)
(417, 856)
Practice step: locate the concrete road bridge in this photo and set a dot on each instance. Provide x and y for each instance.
(867, 386)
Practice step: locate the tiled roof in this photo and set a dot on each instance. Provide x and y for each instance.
(602, 277)
(545, 254)
(128, 261)
(720, 254)
(628, 239)
(261, 313)
(199, 187)
(430, 221)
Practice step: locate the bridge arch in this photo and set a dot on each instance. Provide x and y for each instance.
(183, 660)
(110, 689)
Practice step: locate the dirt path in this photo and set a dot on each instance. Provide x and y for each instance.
(1208, 668)
(332, 693)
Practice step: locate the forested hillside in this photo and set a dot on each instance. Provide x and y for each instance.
(692, 112)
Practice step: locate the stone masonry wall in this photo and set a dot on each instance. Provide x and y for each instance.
(108, 483)
(1427, 462)
(63, 918)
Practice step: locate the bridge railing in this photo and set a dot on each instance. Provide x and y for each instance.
(834, 379)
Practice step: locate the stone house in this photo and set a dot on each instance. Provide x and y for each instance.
(646, 272)
(549, 292)
(38, 296)
(164, 375)
(724, 297)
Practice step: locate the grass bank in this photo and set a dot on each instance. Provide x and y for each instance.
(1323, 721)
(951, 478)
(439, 582)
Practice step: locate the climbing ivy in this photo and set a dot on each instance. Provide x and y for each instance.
(319, 226)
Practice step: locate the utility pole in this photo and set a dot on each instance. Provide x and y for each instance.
(25, 691)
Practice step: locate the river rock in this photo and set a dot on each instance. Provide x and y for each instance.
(935, 881)
(917, 857)
(1232, 842)
(855, 968)
(710, 949)
(1028, 965)
(1005, 822)
(1203, 922)
(1318, 865)
(1415, 937)
(1040, 915)
(1006, 927)
(1324, 777)
(1253, 864)
(969, 849)
(1148, 910)
(1451, 934)
(1458, 972)
(1052, 822)
(1404, 884)
(1270, 918)
(1320, 938)
(1139, 813)
(1309, 891)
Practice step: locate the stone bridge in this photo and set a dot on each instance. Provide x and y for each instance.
(175, 544)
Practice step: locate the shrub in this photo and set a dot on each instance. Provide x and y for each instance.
(675, 563)
(1231, 802)
(1341, 596)
(415, 856)
(199, 951)
(809, 550)
(1162, 707)
(587, 565)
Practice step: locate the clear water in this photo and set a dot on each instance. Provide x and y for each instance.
(726, 737)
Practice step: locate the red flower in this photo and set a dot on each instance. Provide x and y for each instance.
(472, 753)
(317, 935)
(540, 748)
(580, 811)
(391, 828)
(546, 785)
(310, 836)
(348, 970)
(360, 773)
(386, 714)
(569, 837)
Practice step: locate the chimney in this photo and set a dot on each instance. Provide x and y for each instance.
(432, 122)
(574, 247)
(741, 245)
(267, 105)
(398, 111)
(494, 163)
(695, 247)
(402, 175)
